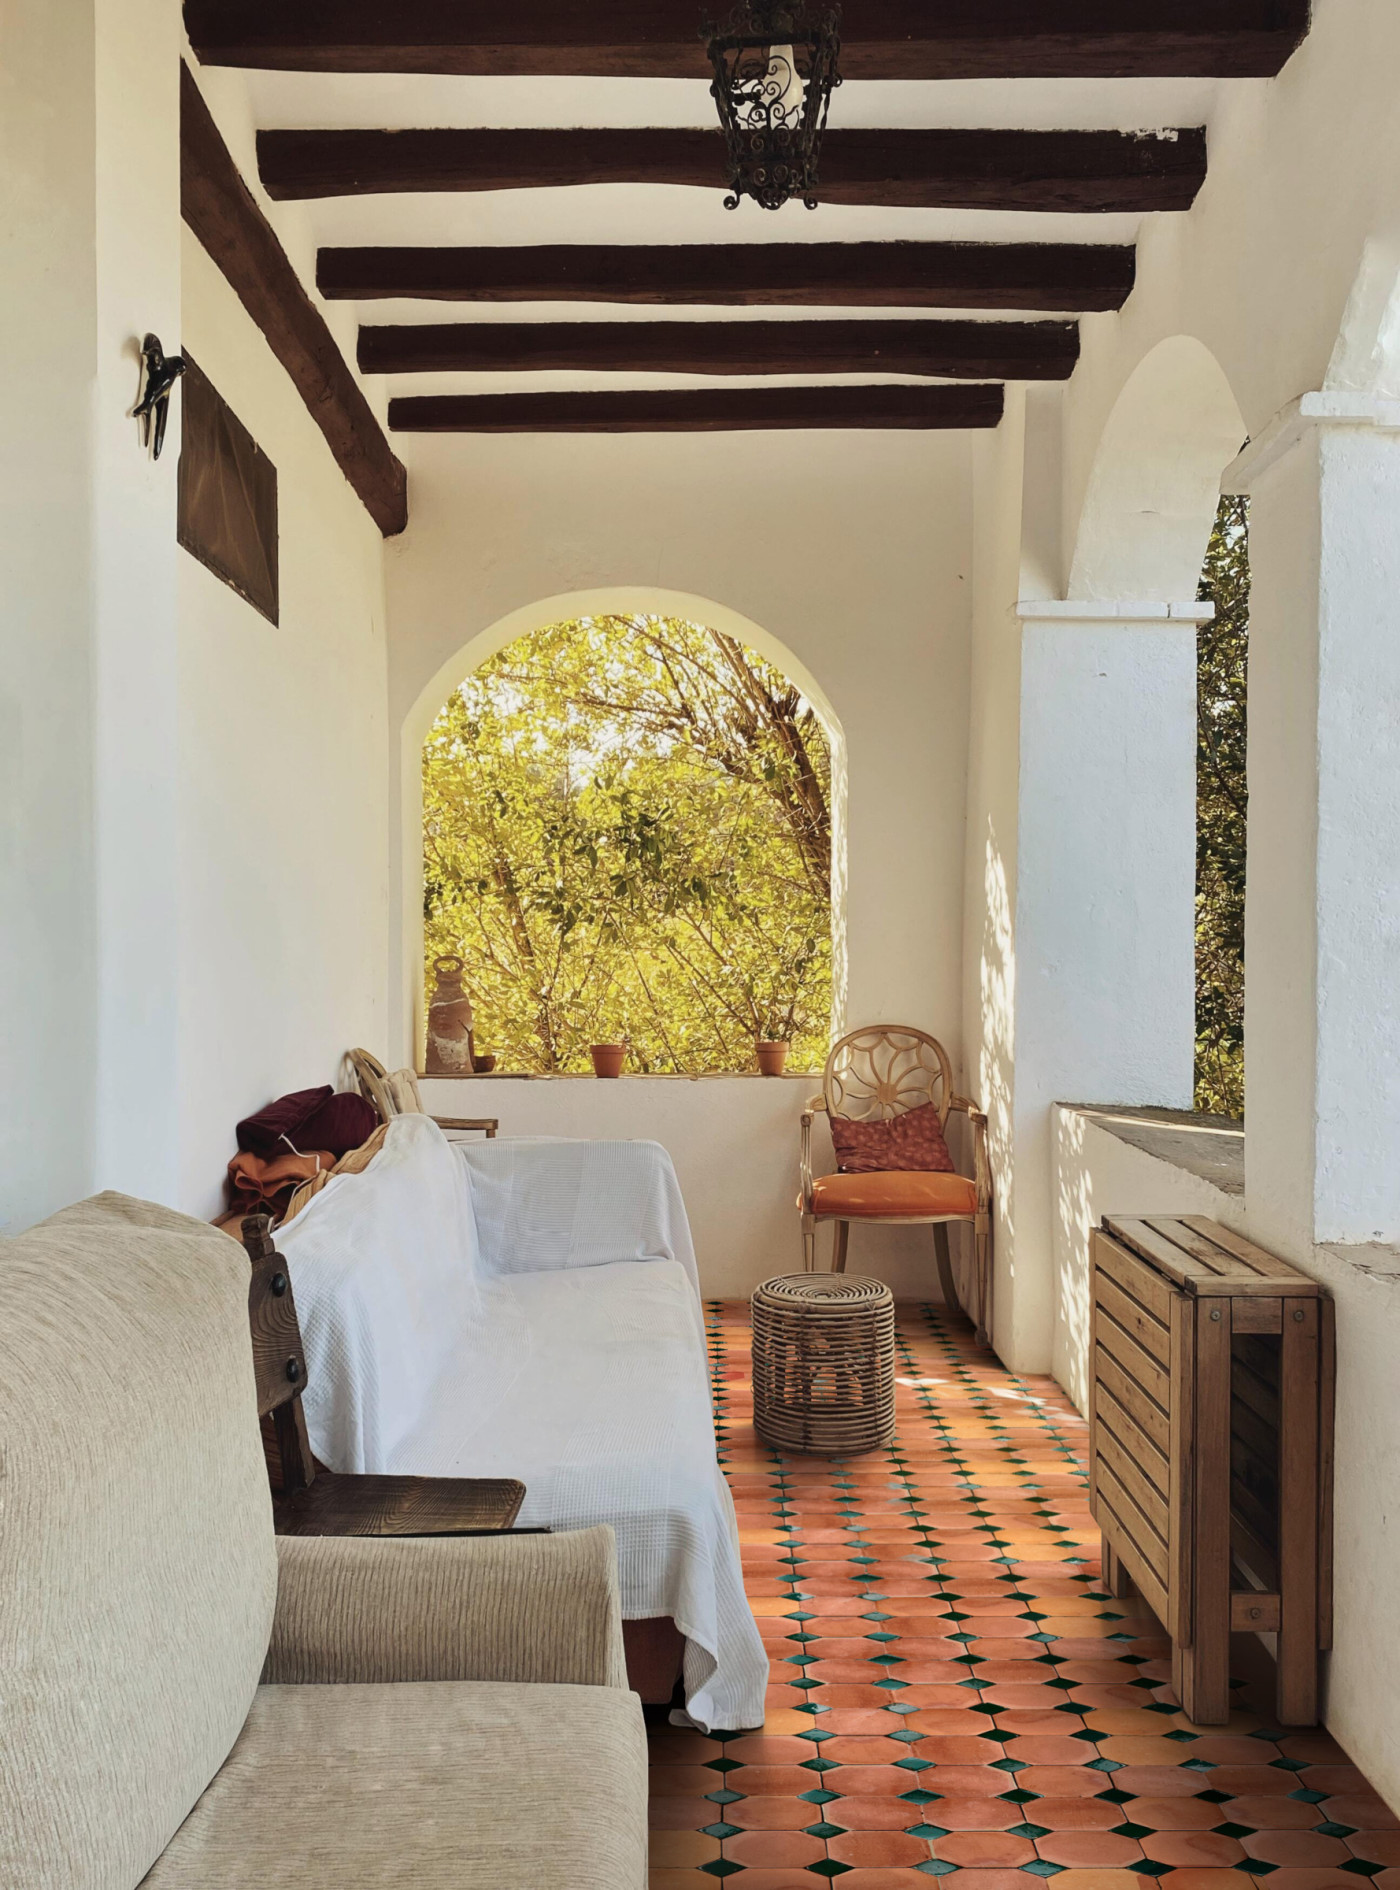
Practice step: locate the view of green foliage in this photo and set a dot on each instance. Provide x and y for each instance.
(627, 834)
(1222, 803)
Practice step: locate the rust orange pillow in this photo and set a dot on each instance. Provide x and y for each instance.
(907, 1143)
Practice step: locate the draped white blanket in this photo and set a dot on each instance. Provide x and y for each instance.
(582, 1373)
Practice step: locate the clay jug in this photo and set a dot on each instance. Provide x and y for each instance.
(450, 1022)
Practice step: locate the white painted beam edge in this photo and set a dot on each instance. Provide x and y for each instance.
(1118, 610)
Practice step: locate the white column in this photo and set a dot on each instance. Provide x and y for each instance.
(89, 225)
(1105, 895)
(1322, 1023)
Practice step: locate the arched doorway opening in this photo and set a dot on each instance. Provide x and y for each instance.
(628, 821)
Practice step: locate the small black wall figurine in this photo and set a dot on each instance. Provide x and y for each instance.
(161, 371)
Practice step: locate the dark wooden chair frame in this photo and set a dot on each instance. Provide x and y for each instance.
(317, 1502)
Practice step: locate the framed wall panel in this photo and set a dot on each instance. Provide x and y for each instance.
(227, 495)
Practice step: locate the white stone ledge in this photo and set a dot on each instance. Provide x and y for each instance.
(1300, 418)
(1114, 610)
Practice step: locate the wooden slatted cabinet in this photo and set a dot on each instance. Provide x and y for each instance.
(1211, 1450)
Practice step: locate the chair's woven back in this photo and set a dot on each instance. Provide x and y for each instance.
(887, 1070)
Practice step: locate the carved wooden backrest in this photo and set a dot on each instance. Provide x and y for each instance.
(887, 1070)
(279, 1358)
(395, 1094)
(375, 1084)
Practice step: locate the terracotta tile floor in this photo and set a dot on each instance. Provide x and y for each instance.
(951, 1690)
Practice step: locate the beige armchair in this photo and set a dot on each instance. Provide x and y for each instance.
(877, 1074)
(192, 1704)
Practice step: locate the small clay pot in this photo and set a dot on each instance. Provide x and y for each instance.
(483, 1066)
(608, 1058)
(772, 1057)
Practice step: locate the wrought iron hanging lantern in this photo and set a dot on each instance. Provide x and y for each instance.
(775, 71)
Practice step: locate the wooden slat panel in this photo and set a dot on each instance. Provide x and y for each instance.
(1326, 1451)
(1258, 1315)
(1135, 1530)
(1181, 1268)
(1254, 1464)
(1150, 1333)
(1074, 171)
(979, 351)
(1252, 1613)
(1201, 1673)
(1135, 1362)
(701, 410)
(1133, 1562)
(1201, 1256)
(1115, 1458)
(1253, 1553)
(1286, 1278)
(1254, 1378)
(1061, 276)
(1138, 1446)
(1146, 1413)
(1297, 1517)
(1138, 1280)
(1181, 1455)
(883, 39)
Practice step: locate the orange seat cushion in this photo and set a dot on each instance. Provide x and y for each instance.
(858, 1196)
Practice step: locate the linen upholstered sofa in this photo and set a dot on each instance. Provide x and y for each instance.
(531, 1309)
(188, 1703)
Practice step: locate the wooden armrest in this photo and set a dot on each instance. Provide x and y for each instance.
(817, 1106)
(349, 1505)
(981, 1155)
(489, 1124)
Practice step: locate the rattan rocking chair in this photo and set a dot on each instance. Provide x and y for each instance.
(874, 1075)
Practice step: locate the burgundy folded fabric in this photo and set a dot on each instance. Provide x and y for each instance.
(909, 1143)
(306, 1120)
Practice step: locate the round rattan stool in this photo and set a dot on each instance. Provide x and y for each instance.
(823, 1363)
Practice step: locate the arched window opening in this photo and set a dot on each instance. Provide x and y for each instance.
(1222, 804)
(628, 835)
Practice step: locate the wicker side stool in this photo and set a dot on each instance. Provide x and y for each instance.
(823, 1363)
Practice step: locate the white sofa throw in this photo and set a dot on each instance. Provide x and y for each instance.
(385, 1276)
(570, 1352)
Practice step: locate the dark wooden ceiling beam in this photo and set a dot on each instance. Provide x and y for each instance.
(220, 209)
(882, 39)
(791, 275)
(992, 170)
(977, 351)
(706, 410)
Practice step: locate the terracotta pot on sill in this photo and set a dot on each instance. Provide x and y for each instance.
(772, 1056)
(608, 1058)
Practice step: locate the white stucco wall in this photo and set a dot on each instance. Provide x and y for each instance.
(89, 221)
(283, 834)
(1280, 282)
(735, 1142)
(1304, 174)
(858, 570)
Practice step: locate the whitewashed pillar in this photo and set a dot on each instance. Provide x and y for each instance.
(90, 228)
(1105, 896)
(1322, 1024)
